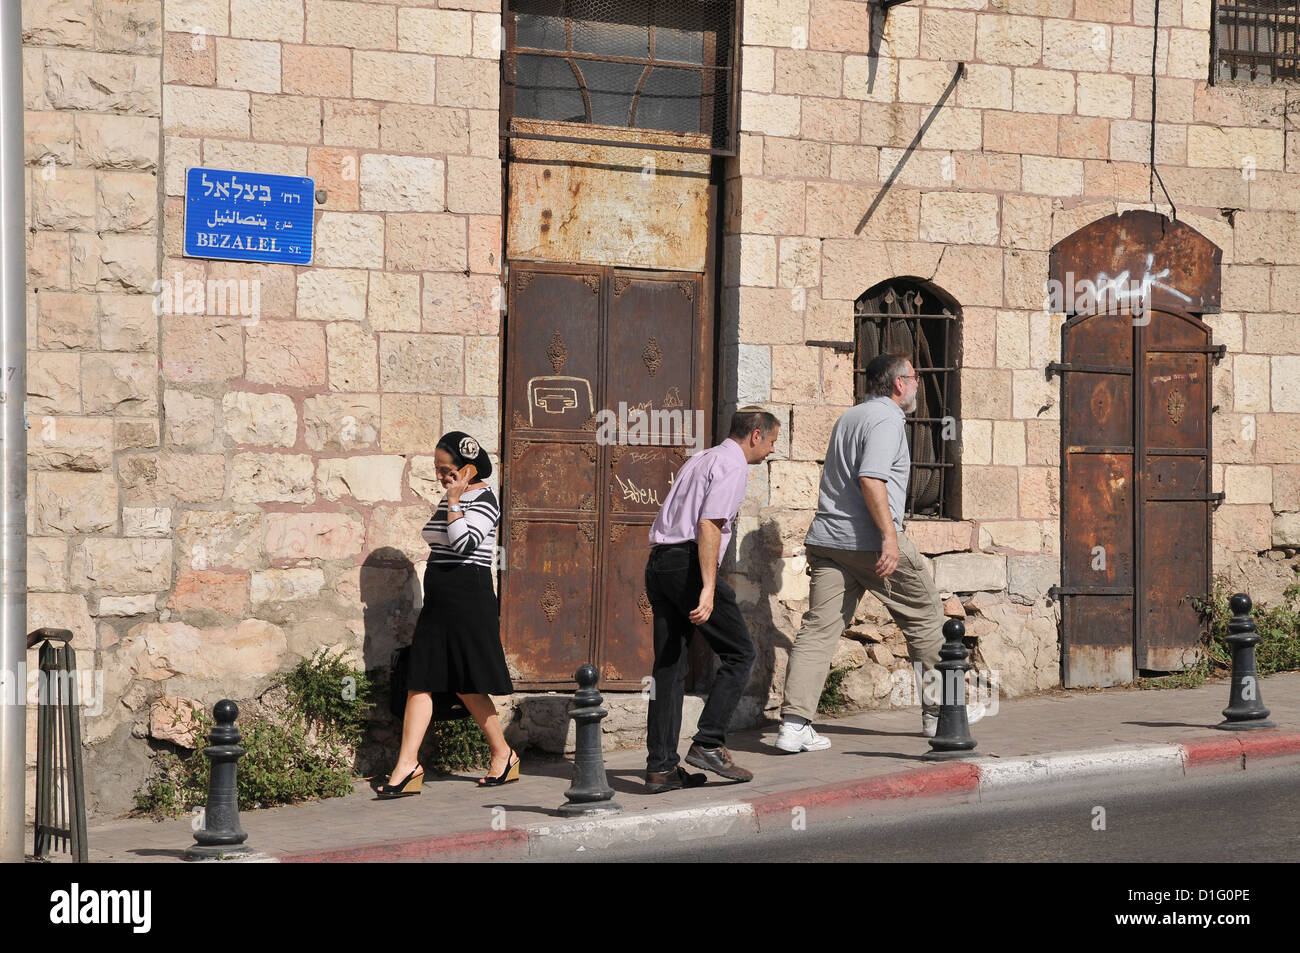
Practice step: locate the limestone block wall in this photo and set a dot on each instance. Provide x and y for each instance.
(93, 105)
(1049, 130)
(231, 462)
(217, 489)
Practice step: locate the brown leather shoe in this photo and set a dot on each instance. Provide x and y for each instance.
(661, 782)
(718, 760)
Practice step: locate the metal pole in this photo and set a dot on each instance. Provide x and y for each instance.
(13, 438)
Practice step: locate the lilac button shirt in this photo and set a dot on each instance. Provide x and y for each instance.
(709, 486)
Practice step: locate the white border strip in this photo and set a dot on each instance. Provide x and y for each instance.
(685, 825)
(1004, 778)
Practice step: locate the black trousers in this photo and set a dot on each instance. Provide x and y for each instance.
(673, 584)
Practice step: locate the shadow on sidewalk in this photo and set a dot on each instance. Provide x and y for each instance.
(755, 745)
(524, 809)
(833, 729)
(896, 755)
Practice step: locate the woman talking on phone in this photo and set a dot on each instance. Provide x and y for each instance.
(457, 644)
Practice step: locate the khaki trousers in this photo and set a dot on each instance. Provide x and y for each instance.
(839, 577)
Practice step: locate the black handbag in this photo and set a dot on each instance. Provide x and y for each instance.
(447, 706)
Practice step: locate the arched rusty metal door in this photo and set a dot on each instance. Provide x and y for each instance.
(1136, 501)
(1135, 493)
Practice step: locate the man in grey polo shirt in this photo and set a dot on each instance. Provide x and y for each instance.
(856, 544)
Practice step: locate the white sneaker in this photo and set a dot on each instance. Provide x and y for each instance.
(794, 739)
(930, 723)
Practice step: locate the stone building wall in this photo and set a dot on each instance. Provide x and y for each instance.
(216, 493)
(220, 489)
(1048, 130)
(93, 101)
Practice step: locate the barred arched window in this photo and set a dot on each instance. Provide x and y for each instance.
(1255, 41)
(913, 317)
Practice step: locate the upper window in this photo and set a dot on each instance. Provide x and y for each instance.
(911, 317)
(663, 64)
(1256, 41)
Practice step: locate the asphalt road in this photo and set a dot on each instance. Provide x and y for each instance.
(1242, 818)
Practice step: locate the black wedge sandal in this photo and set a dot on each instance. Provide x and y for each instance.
(410, 785)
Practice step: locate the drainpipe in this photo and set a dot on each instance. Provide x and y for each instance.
(13, 439)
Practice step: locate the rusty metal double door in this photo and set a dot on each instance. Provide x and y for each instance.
(588, 347)
(1136, 506)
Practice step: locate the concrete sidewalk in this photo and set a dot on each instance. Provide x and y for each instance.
(874, 764)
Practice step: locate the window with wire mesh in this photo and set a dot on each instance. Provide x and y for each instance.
(916, 320)
(642, 64)
(1256, 41)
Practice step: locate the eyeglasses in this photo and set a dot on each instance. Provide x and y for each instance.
(908, 377)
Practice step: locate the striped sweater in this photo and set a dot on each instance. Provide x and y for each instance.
(468, 540)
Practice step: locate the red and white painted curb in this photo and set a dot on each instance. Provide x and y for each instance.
(993, 778)
(980, 779)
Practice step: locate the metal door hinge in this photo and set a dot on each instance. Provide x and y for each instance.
(1215, 498)
(1057, 367)
(1057, 591)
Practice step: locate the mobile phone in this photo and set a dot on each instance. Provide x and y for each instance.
(470, 472)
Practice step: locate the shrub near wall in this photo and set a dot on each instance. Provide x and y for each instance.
(302, 749)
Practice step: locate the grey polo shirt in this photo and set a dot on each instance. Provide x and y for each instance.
(869, 440)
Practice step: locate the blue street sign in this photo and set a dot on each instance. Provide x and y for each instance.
(248, 216)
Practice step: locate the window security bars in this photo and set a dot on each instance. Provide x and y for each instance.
(1256, 42)
(902, 318)
(665, 65)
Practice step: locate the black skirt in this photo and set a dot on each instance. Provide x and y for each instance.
(457, 643)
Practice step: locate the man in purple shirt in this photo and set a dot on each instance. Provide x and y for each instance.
(688, 540)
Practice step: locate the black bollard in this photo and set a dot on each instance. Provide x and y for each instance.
(1245, 710)
(590, 792)
(952, 739)
(221, 835)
